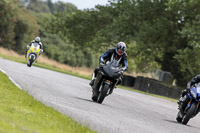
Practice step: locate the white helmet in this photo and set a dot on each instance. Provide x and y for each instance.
(37, 39)
(120, 48)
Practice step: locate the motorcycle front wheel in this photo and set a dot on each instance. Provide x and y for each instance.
(31, 61)
(103, 93)
(189, 114)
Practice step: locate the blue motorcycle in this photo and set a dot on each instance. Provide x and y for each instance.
(189, 108)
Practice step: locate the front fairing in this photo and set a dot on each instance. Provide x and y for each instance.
(195, 92)
(112, 70)
(34, 49)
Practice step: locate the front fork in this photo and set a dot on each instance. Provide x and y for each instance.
(109, 83)
(197, 107)
(184, 105)
(28, 54)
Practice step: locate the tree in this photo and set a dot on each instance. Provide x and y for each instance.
(64, 7)
(159, 38)
(38, 6)
(7, 24)
(158, 33)
(17, 26)
(50, 5)
(188, 58)
(25, 30)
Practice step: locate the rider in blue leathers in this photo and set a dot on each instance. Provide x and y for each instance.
(119, 53)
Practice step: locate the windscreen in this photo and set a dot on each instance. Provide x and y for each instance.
(112, 69)
(35, 44)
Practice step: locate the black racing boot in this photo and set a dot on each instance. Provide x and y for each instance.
(180, 101)
(93, 79)
(184, 92)
(26, 53)
(92, 82)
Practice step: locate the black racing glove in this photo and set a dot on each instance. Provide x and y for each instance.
(121, 71)
(184, 92)
(101, 64)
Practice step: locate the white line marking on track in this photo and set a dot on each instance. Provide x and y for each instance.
(11, 79)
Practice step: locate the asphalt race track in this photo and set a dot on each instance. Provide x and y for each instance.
(122, 112)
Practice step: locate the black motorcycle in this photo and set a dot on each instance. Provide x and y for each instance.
(107, 78)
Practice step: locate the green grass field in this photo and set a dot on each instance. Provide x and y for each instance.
(20, 113)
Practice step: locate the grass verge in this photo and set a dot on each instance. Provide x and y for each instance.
(19, 112)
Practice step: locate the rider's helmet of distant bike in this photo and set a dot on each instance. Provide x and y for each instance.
(120, 48)
(37, 39)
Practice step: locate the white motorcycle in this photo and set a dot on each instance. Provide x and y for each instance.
(32, 54)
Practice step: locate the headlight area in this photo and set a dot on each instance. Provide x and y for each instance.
(193, 94)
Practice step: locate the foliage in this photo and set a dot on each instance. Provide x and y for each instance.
(159, 29)
(190, 67)
(7, 24)
(47, 6)
(38, 6)
(56, 46)
(17, 26)
(26, 29)
(64, 7)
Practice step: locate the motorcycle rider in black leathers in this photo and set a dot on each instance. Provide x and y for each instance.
(183, 99)
(119, 53)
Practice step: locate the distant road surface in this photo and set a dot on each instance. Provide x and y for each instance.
(121, 112)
